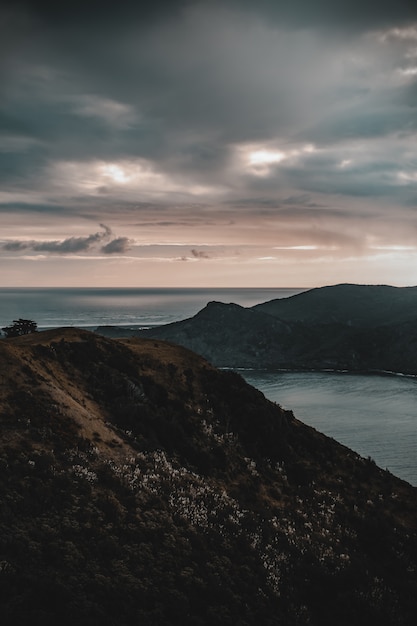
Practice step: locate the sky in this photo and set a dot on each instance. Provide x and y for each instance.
(208, 143)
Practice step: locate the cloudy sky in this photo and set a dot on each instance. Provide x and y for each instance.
(208, 143)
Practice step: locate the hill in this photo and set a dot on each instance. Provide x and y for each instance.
(141, 485)
(363, 306)
(345, 327)
(229, 335)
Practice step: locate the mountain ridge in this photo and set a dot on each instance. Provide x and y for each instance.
(306, 331)
(347, 303)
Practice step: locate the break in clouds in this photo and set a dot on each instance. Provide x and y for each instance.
(205, 118)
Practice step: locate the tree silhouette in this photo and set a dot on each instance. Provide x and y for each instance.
(20, 327)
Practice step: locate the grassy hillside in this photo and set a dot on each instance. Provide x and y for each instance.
(355, 305)
(140, 485)
(231, 336)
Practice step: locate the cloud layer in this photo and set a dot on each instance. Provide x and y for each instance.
(248, 127)
(73, 245)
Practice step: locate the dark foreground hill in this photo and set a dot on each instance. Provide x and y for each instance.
(140, 485)
(346, 327)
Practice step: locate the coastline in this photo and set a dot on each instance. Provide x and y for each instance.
(362, 372)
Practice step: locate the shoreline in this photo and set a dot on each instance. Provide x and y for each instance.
(132, 330)
(287, 370)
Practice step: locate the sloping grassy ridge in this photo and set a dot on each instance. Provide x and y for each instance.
(140, 485)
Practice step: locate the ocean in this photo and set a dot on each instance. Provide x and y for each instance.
(374, 415)
(92, 307)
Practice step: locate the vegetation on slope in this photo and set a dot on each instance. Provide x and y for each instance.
(364, 306)
(141, 485)
(332, 327)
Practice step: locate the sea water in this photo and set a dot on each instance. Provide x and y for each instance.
(375, 415)
(92, 307)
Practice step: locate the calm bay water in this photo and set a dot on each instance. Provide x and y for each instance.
(374, 415)
(92, 307)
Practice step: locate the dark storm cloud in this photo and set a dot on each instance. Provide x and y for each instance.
(54, 129)
(367, 121)
(72, 245)
(195, 254)
(378, 175)
(200, 254)
(99, 10)
(117, 246)
(304, 200)
(345, 14)
(298, 12)
(182, 83)
(16, 246)
(16, 208)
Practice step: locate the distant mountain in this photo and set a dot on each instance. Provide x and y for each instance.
(364, 306)
(353, 327)
(140, 485)
(228, 335)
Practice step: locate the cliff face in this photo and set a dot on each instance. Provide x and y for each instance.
(141, 485)
(334, 327)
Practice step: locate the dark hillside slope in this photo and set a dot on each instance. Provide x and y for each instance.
(229, 335)
(355, 305)
(140, 485)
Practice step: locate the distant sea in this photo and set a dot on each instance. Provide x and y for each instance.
(92, 307)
